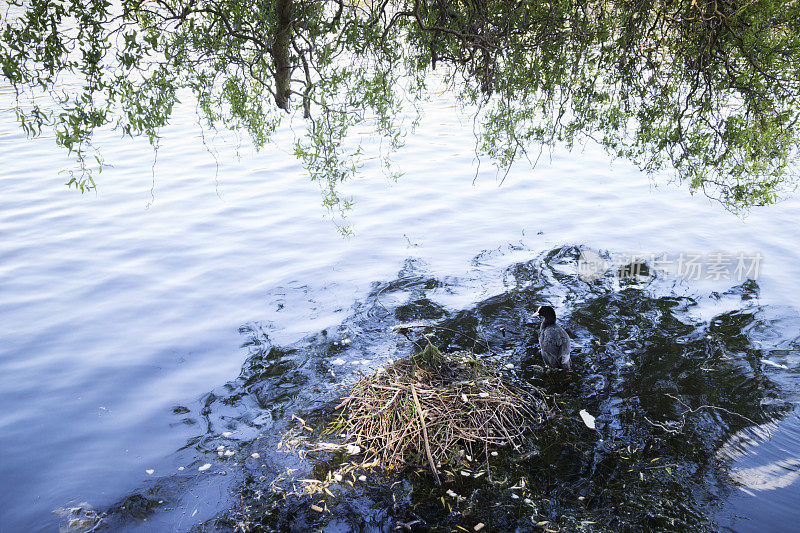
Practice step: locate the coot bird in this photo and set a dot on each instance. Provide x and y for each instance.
(553, 340)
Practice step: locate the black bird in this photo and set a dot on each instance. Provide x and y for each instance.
(553, 340)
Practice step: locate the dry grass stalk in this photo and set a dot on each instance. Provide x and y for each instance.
(435, 408)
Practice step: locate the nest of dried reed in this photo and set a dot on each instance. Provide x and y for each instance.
(432, 409)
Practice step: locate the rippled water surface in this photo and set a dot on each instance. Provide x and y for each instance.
(198, 293)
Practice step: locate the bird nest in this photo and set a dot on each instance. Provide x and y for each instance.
(433, 409)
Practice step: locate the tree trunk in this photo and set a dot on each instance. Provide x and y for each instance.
(280, 52)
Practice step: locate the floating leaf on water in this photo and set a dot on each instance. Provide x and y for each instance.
(180, 468)
(149, 471)
(587, 419)
(255, 455)
(204, 467)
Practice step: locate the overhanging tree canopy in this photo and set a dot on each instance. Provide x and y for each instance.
(709, 88)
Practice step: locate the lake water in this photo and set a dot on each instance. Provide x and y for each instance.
(122, 310)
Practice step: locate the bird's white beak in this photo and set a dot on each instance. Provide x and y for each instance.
(536, 313)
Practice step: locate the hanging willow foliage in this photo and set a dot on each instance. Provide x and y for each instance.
(709, 88)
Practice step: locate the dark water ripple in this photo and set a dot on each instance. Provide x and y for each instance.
(645, 353)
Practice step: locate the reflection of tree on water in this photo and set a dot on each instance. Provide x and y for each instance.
(643, 359)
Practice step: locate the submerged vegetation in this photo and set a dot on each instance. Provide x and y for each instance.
(709, 88)
(676, 381)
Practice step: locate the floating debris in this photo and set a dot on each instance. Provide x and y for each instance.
(774, 364)
(255, 455)
(82, 518)
(228, 453)
(204, 467)
(149, 471)
(352, 449)
(587, 418)
(227, 434)
(478, 526)
(338, 361)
